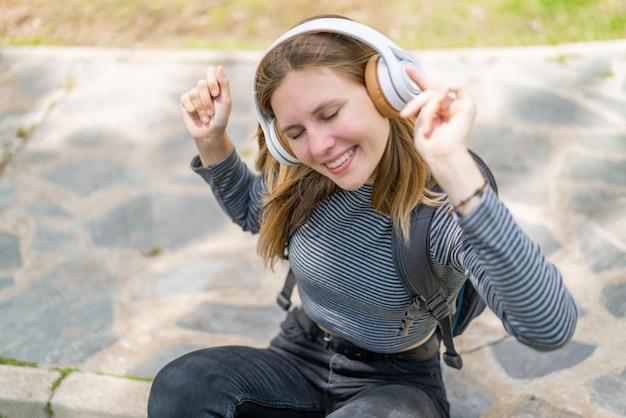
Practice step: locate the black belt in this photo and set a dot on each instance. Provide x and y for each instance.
(425, 351)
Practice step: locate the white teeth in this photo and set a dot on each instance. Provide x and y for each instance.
(341, 159)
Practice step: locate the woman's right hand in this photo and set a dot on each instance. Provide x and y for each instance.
(206, 107)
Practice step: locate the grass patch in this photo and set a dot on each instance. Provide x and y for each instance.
(562, 59)
(253, 24)
(24, 133)
(64, 373)
(606, 74)
(132, 377)
(14, 362)
(137, 378)
(154, 251)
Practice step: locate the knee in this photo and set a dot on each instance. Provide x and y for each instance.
(180, 385)
(175, 374)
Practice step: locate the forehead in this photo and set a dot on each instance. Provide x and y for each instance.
(312, 83)
(313, 74)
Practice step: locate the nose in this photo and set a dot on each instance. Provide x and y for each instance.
(320, 142)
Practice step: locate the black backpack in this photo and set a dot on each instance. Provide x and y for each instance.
(427, 291)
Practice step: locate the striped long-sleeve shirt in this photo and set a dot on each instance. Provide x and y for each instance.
(347, 279)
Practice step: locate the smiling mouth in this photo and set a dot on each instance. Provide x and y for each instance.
(342, 159)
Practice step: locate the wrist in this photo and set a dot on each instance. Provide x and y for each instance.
(214, 150)
(457, 174)
(466, 205)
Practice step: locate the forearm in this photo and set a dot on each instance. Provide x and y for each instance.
(519, 284)
(460, 178)
(214, 151)
(238, 190)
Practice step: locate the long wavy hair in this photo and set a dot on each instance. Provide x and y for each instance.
(402, 178)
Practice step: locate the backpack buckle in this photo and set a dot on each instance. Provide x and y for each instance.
(438, 306)
(453, 360)
(283, 301)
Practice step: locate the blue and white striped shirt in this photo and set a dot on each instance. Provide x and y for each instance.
(347, 279)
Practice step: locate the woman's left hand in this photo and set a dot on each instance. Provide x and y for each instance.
(445, 117)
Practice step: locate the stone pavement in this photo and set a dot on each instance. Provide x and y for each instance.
(114, 257)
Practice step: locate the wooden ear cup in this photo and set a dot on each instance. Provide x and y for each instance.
(375, 89)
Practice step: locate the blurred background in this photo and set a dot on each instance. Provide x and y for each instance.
(252, 24)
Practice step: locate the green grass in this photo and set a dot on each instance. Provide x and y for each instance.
(253, 24)
(521, 22)
(14, 362)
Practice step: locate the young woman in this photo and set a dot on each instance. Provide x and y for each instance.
(356, 169)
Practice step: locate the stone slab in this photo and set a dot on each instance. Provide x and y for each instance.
(83, 395)
(24, 391)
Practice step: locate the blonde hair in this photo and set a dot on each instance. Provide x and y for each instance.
(402, 178)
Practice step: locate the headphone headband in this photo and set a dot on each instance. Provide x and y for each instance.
(395, 86)
(379, 42)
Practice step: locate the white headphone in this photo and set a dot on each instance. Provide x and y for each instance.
(386, 79)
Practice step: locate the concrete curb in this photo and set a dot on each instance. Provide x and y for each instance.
(31, 393)
(26, 391)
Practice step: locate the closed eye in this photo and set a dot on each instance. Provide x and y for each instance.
(293, 135)
(330, 116)
(293, 132)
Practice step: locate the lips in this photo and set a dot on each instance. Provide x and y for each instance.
(342, 159)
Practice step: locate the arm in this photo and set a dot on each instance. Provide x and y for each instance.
(509, 270)
(206, 109)
(238, 191)
(515, 279)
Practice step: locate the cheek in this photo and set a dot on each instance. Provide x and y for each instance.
(300, 150)
(382, 131)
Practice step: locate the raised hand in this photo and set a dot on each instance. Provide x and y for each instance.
(445, 117)
(206, 109)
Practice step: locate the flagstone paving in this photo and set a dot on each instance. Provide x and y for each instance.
(115, 258)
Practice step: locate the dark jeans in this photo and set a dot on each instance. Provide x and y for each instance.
(295, 377)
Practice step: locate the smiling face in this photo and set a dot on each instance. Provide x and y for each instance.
(331, 124)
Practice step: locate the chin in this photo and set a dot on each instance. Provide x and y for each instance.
(349, 185)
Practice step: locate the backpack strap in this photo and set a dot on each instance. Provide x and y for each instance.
(418, 277)
(284, 296)
(416, 272)
(414, 267)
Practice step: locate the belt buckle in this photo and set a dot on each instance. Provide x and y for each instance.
(327, 338)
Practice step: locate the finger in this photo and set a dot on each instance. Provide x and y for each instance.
(224, 83)
(427, 90)
(434, 111)
(186, 104)
(189, 109)
(200, 110)
(414, 106)
(201, 99)
(445, 100)
(205, 96)
(419, 79)
(213, 84)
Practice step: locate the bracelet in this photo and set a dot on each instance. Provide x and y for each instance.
(478, 193)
